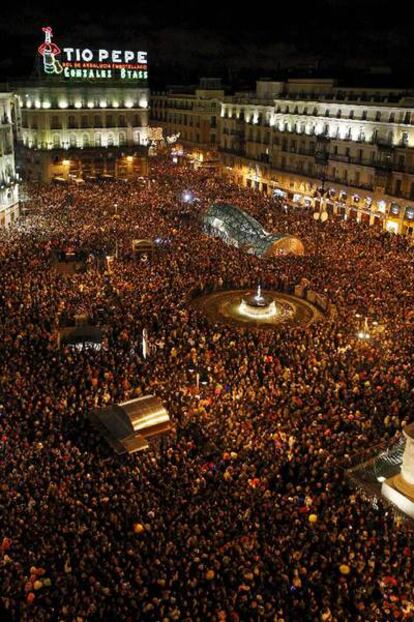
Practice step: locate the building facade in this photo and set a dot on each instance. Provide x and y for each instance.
(84, 113)
(194, 114)
(346, 151)
(9, 193)
(76, 130)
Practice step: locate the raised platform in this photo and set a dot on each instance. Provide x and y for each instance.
(393, 490)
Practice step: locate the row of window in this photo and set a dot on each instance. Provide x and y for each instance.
(98, 140)
(166, 103)
(179, 105)
(73, 122)
(404, 117)
(365, 156)
(343, 175)
(356, 134)
(259, 118)
(190, 120)
(388, 97)
(180, 121)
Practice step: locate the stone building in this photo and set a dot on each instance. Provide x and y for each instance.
(9, 193)
(343, 150)
(346, 151)
(194, 114)
(77, 130)
(84, 113)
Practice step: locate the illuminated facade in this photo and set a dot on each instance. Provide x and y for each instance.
(81, 131)
(9, 194)
(85, 114)
(346, 151)
(194, 115)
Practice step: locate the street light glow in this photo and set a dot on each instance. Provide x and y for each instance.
(187, 196)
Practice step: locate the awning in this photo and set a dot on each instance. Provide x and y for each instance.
(128, 426)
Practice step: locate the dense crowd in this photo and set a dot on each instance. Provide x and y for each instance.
(243, 512)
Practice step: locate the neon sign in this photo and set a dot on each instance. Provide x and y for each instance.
(49, 51)
(89, 64)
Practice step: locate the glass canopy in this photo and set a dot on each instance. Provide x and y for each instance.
(239, 229)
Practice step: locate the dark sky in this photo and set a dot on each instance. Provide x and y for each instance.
(238, 42)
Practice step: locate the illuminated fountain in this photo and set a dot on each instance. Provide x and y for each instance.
(258, 307)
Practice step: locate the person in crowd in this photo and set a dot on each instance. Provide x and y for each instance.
(243, 512)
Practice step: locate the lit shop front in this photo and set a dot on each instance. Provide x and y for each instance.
(84, 113)
(368, 206)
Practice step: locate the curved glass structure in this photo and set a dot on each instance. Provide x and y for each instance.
(239, 229)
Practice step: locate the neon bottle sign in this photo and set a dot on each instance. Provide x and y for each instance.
(49, 51)
(88, 64)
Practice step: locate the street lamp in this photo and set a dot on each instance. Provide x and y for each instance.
(201, 374)
(187, 196)
(363, 331)
(204, 378)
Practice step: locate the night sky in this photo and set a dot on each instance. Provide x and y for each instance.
(185, 40)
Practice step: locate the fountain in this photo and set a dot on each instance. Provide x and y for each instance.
(258, 307)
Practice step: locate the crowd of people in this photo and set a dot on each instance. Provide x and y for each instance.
(243, 512)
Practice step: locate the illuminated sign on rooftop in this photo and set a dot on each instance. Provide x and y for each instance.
(88, 64)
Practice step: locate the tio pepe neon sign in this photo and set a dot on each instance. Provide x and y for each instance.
(84, 63)
(101, 56)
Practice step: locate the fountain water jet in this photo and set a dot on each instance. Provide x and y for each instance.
(258, 307)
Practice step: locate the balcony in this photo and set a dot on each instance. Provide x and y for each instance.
(338, 157)
(383, 144)
(233, 151)
(299, 151)
(360, 184)
(383, 166)
(403, 168)
(348, 159)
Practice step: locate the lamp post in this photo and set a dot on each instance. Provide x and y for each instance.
(201, 375)
(144, 343)
(363, 333)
